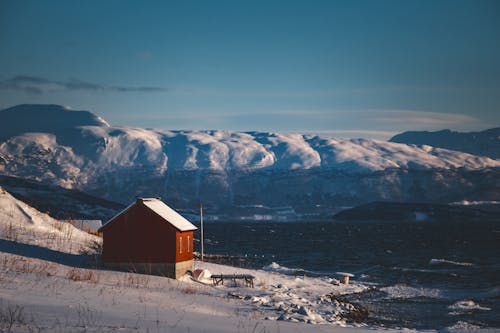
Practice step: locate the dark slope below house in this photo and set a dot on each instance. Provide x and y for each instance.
(58, 202)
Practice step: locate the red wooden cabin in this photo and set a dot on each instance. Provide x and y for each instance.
(149, 237)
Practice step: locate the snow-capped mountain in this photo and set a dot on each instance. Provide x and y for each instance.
(43, 118)
(234, 173)
(484, 143)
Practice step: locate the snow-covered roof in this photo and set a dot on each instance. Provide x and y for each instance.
(164, 211)
(176, 219)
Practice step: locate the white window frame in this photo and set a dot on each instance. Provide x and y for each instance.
(180, 245)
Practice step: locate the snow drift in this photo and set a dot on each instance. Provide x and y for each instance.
(22, 223)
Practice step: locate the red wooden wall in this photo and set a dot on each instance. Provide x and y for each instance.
(141, 236)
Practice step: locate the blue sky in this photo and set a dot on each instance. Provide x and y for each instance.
(344, 68)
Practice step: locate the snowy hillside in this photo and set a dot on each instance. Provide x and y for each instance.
(484, 143)
(22, 223)
(280, 174)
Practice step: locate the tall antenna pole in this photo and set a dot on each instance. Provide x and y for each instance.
(201, 224)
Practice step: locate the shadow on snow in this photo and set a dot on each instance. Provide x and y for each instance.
(43, 253)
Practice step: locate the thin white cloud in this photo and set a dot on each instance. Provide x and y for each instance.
(197, 91)
(373, 123)
(354, 133)
(421, 118)
(386, 120)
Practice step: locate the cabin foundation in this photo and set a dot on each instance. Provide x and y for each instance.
(170, 270)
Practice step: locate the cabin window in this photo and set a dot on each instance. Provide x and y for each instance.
(188, 243)
(180, 244)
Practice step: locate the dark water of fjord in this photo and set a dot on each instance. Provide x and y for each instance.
(427, 275)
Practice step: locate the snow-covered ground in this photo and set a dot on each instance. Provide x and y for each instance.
(292, 298)
(49, 283)
(22, 223)
(39, 295)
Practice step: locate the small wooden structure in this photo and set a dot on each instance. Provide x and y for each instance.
(90, 226)
(219, 279)
(345, 277)
(149, 237)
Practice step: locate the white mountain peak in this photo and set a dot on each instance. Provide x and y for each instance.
(80, 150)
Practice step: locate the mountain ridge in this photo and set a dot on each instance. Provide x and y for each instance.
(482, 143)
(229, 171)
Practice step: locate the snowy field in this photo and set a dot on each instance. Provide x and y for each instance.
(39, 295)
(50, 282)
